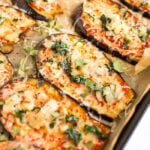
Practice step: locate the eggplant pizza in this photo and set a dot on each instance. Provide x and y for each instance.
(46, 8)
(34, 113)
(6, 70)
(83, 72)
(143, 5)
(13, 23)
(113, 28)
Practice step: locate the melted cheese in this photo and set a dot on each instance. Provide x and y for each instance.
(93, 66)
(50, 107)
(45, 125)
(116, 27)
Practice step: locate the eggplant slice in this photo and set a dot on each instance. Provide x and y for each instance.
(41, 9)
(6, 70)
(114, 29)
(13, 24)
(23, 6)
(139, 5)
(35, 113)
(83, 72)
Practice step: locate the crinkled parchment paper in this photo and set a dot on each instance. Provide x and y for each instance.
(139, 82)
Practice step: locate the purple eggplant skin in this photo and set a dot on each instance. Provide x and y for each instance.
(79, 28)
(136, 9)
(23, 6)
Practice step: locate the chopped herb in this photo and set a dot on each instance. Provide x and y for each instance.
(2, 19)
(143, 37)
(20, 115)
(31, 51)
(94, 130)
(51, 23)
(125, 14)
(117, 66)
(144, 3)
(1, 104)
(55, 114)
(54, 25)
(29, 1)
(60, 47)
(1, 62)
(40, 83)
(78, 79)
(83, 95)
(79, 63)
(89, 144)
(16, 131)
(148, 32)
(91, 16)
(105, 21)
(37, 109)
(110, 68)
(53, 123)
(23, 68)
(71, 119)
(17, 148)
(126, 43)
(66, 65)
(74, 135)
(50, 61)
(70, 148)
(64, 52)
(3, 137)
(15, 19)
(78, 41)
(91, 85)
(41, 28)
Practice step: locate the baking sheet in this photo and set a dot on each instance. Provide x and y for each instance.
(139, 82)
(132, 124)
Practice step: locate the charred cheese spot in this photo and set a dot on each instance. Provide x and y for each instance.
(12, 24)
(47, 8)
(84, 73)
(41, 117)
(6, 70)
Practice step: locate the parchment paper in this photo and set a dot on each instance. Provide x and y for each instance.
(139, 82)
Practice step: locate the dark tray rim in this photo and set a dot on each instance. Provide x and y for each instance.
(132, 124)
